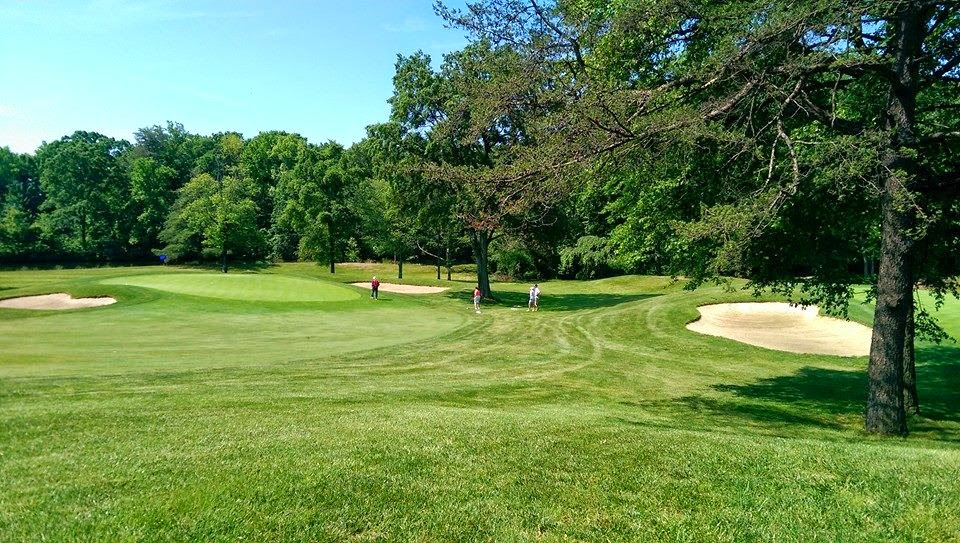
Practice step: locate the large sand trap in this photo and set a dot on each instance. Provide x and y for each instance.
(783, 327)
(403, 289)
(54, 301)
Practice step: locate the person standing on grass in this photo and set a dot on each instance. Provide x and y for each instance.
(476, 298)
(375, 288)
(532, 301)
(535, 292)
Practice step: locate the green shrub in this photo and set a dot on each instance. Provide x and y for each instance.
(590, 258)
(511, 259)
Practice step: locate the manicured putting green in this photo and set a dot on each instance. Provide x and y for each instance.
(241, 286)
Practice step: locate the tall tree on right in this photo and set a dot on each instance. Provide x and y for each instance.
(849, 104)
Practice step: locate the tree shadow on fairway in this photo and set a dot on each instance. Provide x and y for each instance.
(938, 382)
(837, 392)
(714, 413)
(557, 302)
(827, 397)
(238, 267)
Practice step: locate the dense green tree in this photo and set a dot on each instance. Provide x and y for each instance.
(215, 213)
(317, 193)
(391, 231)
(222, 155)
(420, 104)
(213, 218)
(401, 212)
(86, 192)
(264, 157)
(171, 146)
(473, 128)
(284, 153)
(152, 194)
(20, 199)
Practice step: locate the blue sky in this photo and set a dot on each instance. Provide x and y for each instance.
(321, 68)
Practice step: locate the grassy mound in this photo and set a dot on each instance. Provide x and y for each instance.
(241, 286)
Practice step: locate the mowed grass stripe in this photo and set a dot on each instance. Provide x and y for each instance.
(242, 286)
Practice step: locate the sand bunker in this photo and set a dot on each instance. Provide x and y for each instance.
(783, 327)
(403, 289)
(54, 301)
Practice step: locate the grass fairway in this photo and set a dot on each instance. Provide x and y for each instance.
(184, 415)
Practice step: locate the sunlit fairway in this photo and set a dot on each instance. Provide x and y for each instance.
(283, 405)
(184, 320)
(244, 286)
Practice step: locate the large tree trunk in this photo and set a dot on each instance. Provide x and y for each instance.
(481, 248)
(911, 402)
(449, 267)
(885, 410)
(332, 254)
(223, 248)
(400, 268)
(83, 233)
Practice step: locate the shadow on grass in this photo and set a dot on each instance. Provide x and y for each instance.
(259, 265)
(938, 382)
(843, 392)
(559, 302)
(832, 391)
(714, 413)
(834, 399)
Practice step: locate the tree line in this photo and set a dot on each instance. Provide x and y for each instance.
(222, 198)
(417, 187)
(89, 197)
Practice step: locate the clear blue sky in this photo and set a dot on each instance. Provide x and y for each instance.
(321, 68)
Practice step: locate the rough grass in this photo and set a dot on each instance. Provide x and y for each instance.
(599, 418)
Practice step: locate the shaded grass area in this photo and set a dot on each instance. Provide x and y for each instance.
(598, 418)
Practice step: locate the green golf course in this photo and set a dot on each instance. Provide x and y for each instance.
(282, 404)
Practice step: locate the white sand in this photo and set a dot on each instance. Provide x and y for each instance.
(783, 327)
(54, 301)
(403, 289)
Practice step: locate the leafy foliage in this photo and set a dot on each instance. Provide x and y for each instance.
(590, 258)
